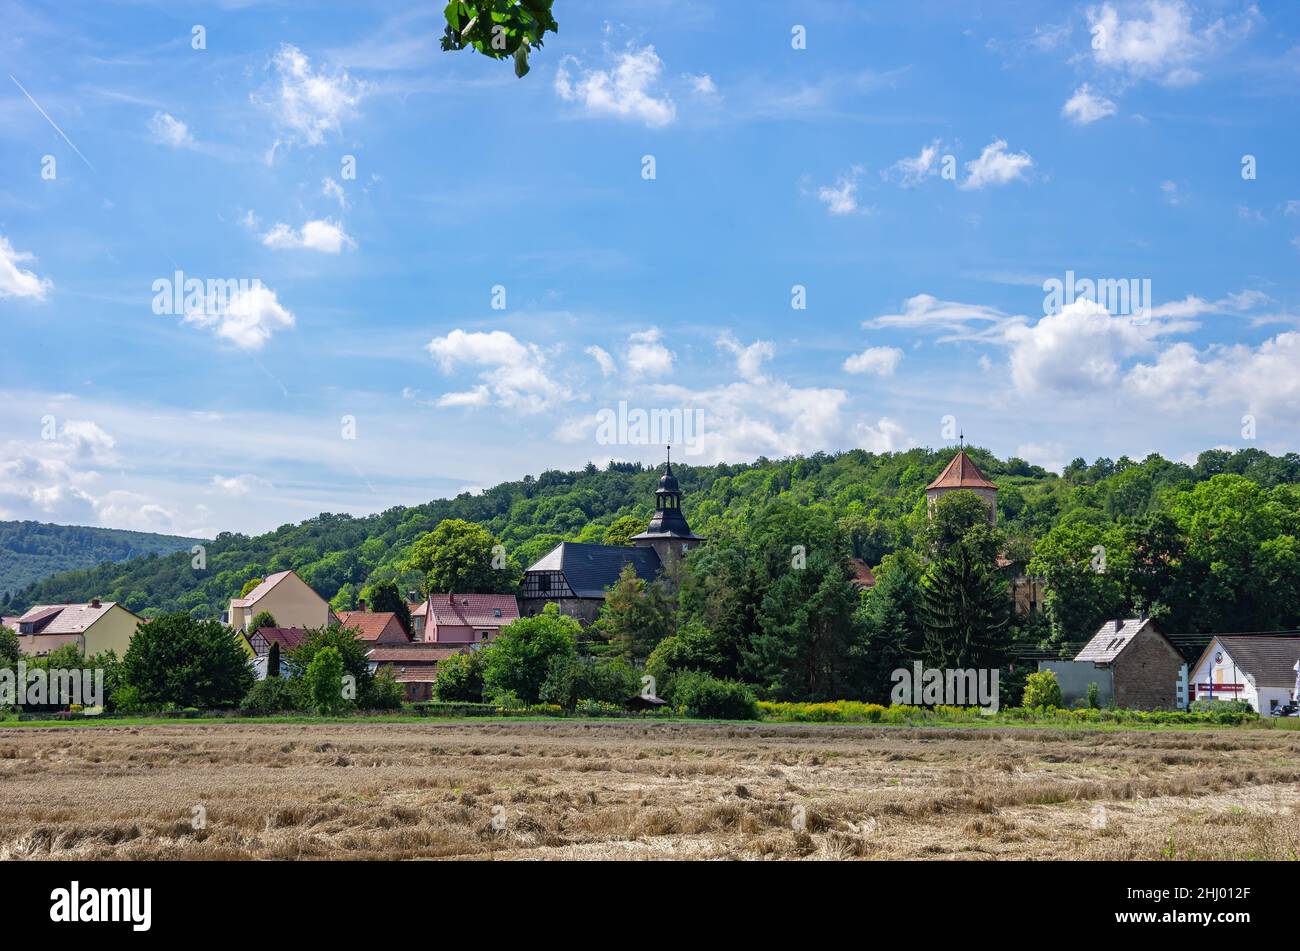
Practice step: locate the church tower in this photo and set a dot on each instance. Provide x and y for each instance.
(668, 534)
(962, 473)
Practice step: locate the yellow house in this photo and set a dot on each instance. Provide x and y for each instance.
(290, 600)
(94, 627)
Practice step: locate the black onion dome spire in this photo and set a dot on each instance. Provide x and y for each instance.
(668, 520)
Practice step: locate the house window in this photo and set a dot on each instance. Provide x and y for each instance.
(496, 612)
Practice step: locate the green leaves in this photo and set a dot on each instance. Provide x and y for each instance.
(499, 28)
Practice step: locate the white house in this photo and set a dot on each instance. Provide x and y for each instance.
(1257, 668)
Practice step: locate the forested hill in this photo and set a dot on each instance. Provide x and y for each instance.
(876, 502)
(33, 550)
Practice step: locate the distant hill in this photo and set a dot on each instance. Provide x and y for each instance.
(30, 551)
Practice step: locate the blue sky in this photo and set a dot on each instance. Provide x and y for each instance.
(919, 170)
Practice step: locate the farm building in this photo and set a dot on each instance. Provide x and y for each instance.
(289, 599)
(467, 618)
(414, 666)
(1260, 669)
(265, 640)
(375, 627)
(93, 627)
(1141, 664)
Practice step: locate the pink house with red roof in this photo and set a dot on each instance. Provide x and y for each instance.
(468, 618)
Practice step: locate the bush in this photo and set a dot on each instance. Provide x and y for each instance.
(598, 708)
(1221, 706)
(385, 692)
(324, 680)
(460, 678)
(126, 699)
(175, 660)
(571, 679)
(273, 695)
(1094, 693)
(518, 661)
(1042, 690)
(703, 696)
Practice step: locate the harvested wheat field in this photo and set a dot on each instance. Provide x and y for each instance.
(634, 790)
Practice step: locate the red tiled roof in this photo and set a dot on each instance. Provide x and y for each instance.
(419, 653)
(370, 625)
(473, 610)
(863, 576)
(287, 637)
(416, 675)
(961, 473)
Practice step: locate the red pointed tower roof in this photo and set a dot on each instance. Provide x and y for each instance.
(961, 473)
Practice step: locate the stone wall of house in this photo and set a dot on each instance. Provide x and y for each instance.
(585, 610)
(1146, 673)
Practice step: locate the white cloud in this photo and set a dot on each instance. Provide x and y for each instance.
(36, 487)
(749, 359)
(1049, 455)
(996, 166)
(248, 319)
(957, 321)
(842, 197)
(16, 282)
(134, 511)
(168, 130)
(1159, 41)
(325, 236)
(702, 85)
(912, 171)
(239, 485)
(1079, 349)
(86, 441)
(629, 89)
(1261, 379)
(1086, 107)
(879, 361)
(332, 189)
(885, 436)
(307, 104)
(514, 374)
(1172, 195)
(602, 358)
(646, 356)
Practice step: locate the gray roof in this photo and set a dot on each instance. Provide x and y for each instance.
(1111, 639)
(590, 569)
(66, 618)
(1269, 659)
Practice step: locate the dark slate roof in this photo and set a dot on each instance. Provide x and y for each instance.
(668, 523)
(1269, 659)
(590, 569)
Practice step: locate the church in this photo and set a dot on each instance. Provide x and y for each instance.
(575, 576)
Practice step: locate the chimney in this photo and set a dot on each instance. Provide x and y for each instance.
(94, 603)
(361, 605)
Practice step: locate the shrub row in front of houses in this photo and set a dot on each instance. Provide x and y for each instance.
(852, 711)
